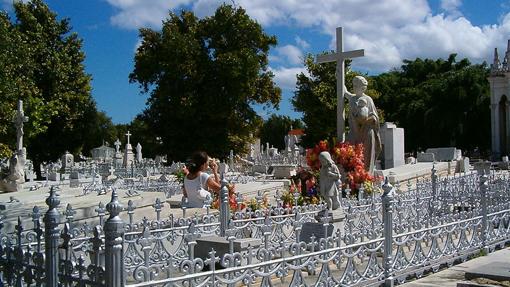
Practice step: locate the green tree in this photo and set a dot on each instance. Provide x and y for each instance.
(315, 97)
(438, 102)
(41, 62)
(276, 127)
(202, 76)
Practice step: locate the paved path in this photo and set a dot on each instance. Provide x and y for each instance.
(451, 276)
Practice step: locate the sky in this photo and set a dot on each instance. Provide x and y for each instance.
(388, 30)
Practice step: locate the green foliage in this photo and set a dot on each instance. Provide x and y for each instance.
(438, 103)
(276, 127)
(5, 151)
(315, 97)
(41, 62)
(202, 75)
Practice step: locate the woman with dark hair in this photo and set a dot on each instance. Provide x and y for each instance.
(198, 183)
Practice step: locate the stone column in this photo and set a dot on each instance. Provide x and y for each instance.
(496, 150)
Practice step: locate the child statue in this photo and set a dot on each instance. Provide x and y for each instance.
(329, 180)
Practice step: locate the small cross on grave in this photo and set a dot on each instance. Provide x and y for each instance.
(128, 135)
(111, 170)
(339, 57)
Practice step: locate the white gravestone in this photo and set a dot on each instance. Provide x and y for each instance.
(67, 161)
(443, 153)
(128, 153)
(425, 157)
(139, 156)
(393, 141)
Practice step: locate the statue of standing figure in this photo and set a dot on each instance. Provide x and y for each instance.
(363, 122)
(329, 180)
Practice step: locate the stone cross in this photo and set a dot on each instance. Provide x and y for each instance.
(339, 57)
(111, 170)
(18, 121)
(117, 144)
(128, 135)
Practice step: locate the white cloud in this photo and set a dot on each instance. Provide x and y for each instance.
(285, 78)
(452, 7)
(133, 14)
(302, 43)
(388, 30)
(290, 54)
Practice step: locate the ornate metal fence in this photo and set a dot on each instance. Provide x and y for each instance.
(385, 240)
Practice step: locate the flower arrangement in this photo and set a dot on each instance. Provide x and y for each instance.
(256, 203)
(350, 160)
(232, 199)
(308, 193)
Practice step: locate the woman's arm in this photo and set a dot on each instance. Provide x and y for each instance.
(213, 182)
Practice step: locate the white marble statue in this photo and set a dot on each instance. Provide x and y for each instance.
(329, 180)
(363, 122)
(139, 156)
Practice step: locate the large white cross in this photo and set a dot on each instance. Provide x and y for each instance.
(339, 57)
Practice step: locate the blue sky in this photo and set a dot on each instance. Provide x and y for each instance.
(388, 30)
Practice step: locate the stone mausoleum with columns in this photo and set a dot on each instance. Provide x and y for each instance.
(499, 80)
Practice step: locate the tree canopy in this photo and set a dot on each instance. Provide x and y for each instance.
(438, 102)
(202, 76)
(41, 63)
(276, 127)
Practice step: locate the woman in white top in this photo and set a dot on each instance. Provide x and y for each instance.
(198, 183)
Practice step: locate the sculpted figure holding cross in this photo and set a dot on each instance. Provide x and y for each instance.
(363, 118)
(363, 122)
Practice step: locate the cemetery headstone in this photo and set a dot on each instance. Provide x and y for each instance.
(393, 145)
(314, 229)
(128, 153)
(443, 153)
(282, 171)
(463, 165)
(426, 157)
(67, 161)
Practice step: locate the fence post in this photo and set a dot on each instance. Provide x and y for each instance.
(224, 207)
(484, 188)
(434, 182)
(114, 245)
(51, 237)
(387, 200)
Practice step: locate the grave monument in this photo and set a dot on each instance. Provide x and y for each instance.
(16, 176)
(363, 117)
(128, 153)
